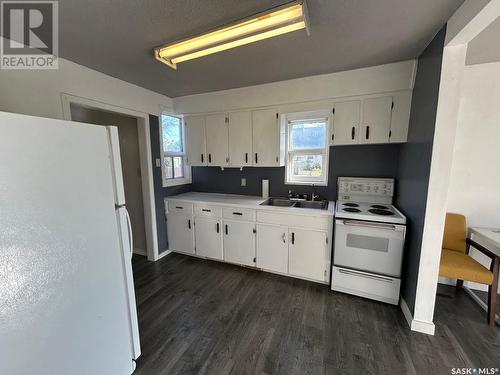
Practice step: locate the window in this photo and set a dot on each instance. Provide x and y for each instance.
(175, 171)
(307, 148)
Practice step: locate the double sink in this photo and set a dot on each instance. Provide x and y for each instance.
(284, 202)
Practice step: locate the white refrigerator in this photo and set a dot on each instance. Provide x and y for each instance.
(67, 303)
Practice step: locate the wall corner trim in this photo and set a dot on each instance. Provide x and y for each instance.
(163, 254)
(416, 325)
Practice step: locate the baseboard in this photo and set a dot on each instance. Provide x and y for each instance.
(416, 325)
(164, 254)
(140, 251)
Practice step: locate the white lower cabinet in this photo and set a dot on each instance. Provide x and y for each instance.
(208, 238)
(272, 248)
(307, 252)
(239, 242)
(180, 232)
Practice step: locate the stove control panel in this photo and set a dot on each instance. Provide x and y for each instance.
(366, 189)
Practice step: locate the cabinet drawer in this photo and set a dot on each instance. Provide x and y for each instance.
(301, 221)
(244, 214)
(364, 284)
(180, 207)
(207, 211)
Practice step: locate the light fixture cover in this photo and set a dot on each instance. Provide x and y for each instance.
(276, 21)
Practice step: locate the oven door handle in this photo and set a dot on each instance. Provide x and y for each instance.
(370, 225)
(354, 273)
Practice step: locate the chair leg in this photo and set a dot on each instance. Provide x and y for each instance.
(460, 284)
(492, 292)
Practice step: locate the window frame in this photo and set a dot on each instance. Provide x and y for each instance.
(289, 118)
(186, 179)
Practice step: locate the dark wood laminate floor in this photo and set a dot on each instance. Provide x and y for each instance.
(204, 317)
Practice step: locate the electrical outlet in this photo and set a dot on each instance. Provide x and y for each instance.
(243, 182)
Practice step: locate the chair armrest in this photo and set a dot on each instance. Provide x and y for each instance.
(481, 248)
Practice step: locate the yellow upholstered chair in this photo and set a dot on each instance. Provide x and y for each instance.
(457, 264)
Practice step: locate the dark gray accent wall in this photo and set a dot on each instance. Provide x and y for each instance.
(353, 161)
(415, 160)
(160, 191)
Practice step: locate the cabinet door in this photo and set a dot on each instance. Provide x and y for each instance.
(239, 242)
(240, 139)
(217, 140)
(195, 140)
(400, 119)
(272, 248)
(208, 237)
(376, 122)
(307, 253)
(266, 138)
(346, 123)
(180, 233)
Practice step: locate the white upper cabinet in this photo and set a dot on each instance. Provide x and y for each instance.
(266, 138)
(195, 140)
(376, 120)
(217, 140)
(400, 117)
(240, 139)
(346, 123)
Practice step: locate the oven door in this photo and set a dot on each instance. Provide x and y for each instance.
(369, 246)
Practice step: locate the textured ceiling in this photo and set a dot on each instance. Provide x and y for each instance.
(116, 37)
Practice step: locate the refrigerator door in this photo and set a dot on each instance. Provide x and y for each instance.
(63, 284)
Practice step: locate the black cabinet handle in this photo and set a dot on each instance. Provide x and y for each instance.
(246, 157)
(226, 229)
(209, 158)
(237, 213)
(179, 207)
(333, 137)
(293, 238)
(367, 132)
(217, 227)
(256, 160)
(206, 210)
(189, 223)
(353, 132)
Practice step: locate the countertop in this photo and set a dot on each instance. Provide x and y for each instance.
(488, 237)
(247, 201)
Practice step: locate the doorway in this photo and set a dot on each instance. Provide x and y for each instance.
(131, 164)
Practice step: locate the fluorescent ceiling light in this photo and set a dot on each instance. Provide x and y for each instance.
(287, 18)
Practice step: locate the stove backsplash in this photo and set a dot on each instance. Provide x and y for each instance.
(350, 161)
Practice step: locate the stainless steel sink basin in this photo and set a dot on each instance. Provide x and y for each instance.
(284, 202)
(280, 202)
(321, 205)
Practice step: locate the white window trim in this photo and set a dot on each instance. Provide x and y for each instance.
(167, 182)
(326, 152)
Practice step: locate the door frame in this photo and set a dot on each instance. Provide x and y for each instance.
(146, 161)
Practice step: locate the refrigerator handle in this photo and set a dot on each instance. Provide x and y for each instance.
(130, 236)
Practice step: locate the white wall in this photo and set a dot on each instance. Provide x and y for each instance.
(475, 175)
(372, 80)
(38, 92)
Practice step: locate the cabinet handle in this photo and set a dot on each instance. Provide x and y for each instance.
(333, 137)
(246, 157)
(189, 223)
(256, 160)
(179, 207)
(202, 158)
(353, 132)
(237, 213)
(293, 238)
(283, 237)
(226, 230)
(367, 132)
(206, 210)
(209, 158)
(217, 227)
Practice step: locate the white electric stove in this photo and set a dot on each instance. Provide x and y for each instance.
(369, 239)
